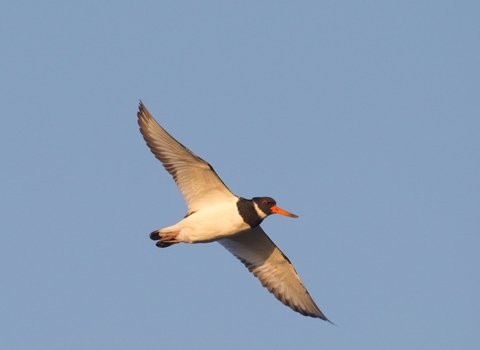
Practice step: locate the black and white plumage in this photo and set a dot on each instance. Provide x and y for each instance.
(216, 214)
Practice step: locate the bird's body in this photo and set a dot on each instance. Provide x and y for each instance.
(216, 214)
(209, 224)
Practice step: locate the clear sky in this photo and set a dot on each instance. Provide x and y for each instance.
(362, 117)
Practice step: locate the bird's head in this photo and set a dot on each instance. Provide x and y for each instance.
(268, 206)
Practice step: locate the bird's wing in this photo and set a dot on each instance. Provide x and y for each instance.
(262, 258)
(195, 178)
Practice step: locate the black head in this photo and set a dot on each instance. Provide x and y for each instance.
(269, 206)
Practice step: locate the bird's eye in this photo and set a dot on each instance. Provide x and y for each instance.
(264, 202)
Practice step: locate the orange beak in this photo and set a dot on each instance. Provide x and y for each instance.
(277, 210)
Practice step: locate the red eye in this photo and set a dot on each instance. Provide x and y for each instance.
(265, 202)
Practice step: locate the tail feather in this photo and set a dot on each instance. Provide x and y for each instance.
(165, 239)
(161, 244)
(155, 235)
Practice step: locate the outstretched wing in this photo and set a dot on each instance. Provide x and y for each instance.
(262, 258)
(195, 178)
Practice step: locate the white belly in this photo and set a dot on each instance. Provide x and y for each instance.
(210, 224)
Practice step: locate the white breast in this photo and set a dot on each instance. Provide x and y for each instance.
(211, 224)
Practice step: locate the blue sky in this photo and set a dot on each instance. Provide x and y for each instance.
(361, 117)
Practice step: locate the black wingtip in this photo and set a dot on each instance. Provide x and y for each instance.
(333, 324)
(141, 108)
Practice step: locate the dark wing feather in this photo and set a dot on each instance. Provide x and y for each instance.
(195, 178)
(262, 258)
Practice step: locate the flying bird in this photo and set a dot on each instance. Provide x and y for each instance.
(216, 214)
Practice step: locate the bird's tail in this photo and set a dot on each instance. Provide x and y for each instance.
(164, 239)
